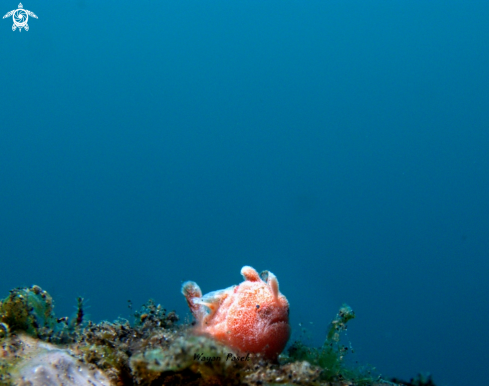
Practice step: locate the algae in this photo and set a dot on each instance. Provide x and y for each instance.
(330, 357)
(27, 309)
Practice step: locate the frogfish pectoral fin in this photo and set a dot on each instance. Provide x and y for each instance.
(192, 292)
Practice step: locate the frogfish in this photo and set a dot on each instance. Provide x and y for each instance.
(252, 317)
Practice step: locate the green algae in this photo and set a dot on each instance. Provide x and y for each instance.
(31, 311)
(27, 309)
(330, 357)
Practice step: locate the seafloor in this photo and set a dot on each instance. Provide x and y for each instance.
(38, 349)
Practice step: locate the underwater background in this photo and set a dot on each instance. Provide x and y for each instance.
(342, 145)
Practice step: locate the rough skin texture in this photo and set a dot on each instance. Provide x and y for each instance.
(252, 317)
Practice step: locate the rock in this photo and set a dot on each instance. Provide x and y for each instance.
(43, 364)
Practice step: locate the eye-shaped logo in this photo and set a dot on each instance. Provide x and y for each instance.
(20, 17)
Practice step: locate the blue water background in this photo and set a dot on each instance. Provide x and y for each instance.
(343, 145)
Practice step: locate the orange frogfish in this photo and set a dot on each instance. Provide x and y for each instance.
(252, 317)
